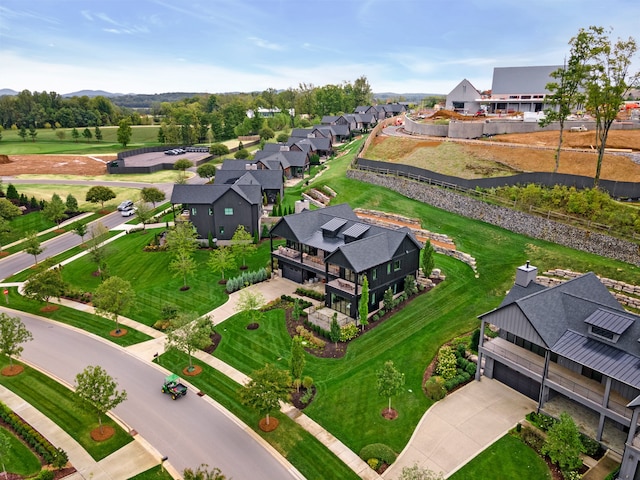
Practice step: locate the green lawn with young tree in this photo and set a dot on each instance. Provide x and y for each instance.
(18, 459)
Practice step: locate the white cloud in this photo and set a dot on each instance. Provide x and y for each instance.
(259, 42)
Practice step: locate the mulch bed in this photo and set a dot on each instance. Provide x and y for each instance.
(118, 333)
(195, 370)
(270, 427)
(102, 434)
(296, 396)
(12, 370)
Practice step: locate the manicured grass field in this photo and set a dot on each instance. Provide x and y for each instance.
(19, 459)
(509, 457)
(60, 405)
(302, 449)
(91, 323)
(153, 281)
(48, 143)
(155, 473)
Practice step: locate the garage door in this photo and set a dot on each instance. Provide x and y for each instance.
(292, 273)
(517, 381)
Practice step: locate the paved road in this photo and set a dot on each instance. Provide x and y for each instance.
(190, 431)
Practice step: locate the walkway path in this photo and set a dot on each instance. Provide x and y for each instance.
(459, 427)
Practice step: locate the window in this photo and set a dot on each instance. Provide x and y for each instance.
(228, 211)
(210, 211)
(602, 332)
(388, 268)
(374, 274)
(221, 230)
(193, 211)
(396, 265)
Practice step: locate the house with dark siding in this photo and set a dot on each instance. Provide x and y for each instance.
(271, 181)
(219, 209)
(332, 245)
(573, 342)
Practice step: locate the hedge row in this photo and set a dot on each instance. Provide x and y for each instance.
(50, 454)
(304, 292)
(246, 279)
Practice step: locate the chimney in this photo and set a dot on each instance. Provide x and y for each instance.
(526, 274)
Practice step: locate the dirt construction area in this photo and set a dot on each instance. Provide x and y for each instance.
(13, 165)
(504, 155)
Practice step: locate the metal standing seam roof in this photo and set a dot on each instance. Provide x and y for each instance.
(612, 321)
(598, 356)
(334, 224)
(356, 230)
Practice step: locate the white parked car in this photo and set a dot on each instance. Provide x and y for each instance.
(128, 211)
(125, 205)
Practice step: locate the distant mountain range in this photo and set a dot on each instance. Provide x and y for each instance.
(135, 100)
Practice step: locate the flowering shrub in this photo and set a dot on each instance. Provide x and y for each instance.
(447, 363)
(311, 339)
(348, 332)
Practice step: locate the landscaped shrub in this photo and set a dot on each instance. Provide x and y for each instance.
(471, 368)
(457, 380)
(532, 437)
(50, 454)
(374, 463)
(245, 279)
(303, 303)
(348, 332)
(307, 382)
(434, 388)
(306, 397)
(542, 421)
(46, 475)
(380, 451)
(312, 340)
(304, 292)
(591, 447)
(375, 317)
(446, 364)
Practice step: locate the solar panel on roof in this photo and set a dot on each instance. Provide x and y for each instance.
(356, 230)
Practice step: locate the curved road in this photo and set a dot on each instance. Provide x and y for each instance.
(189, 431)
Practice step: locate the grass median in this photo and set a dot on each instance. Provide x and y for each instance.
(60, 405)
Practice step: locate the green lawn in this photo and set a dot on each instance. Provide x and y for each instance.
(509, 457)
(153, 281)
(19, 459)
(301, 448)
(59, 404)
(155, 473)
(91, 323)
(48, 143)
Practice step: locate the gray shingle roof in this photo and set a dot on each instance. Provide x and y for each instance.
(208, 194)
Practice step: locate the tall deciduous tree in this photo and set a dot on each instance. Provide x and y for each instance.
(207, 170)
(124, 132)
(152, 195)
(32, 246)
(80, 229)
(97, 249)
(607, 82)
(8, 210)
(100, 194)
(242, 243)
(181, 242)
(334, 332)
(363, 305)
(114, 297)
(13, 334)
(250, 302)
(566, 92)
(389, 381)
(44, 285)
(145, 213)
(95, 386)
(54, 209)
(188, 332)
(267, 387)
(563, 444)
(221, 260)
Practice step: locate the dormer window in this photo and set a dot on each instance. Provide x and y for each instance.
(608, 325)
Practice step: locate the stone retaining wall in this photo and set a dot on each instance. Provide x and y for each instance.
(513, 220)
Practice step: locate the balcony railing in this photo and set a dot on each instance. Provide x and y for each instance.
(314, 261)
(558, 375)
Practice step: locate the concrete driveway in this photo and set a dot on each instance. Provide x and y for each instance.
(460, 426)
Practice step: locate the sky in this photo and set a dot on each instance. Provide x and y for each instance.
(216, 46)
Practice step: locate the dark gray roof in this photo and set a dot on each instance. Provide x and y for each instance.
(268, 179)
(291, 158)
(272, 147)
(235, 164)
(603, 358)
(519, 80)
(613, 321)
(376, 244)
(337, 129)
(209, 194)
(316, 143)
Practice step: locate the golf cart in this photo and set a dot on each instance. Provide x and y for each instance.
(174, 387)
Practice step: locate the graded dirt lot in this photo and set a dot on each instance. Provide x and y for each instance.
(504, 155)
(13, 165)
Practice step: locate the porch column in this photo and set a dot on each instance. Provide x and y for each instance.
(545, 372)
(271, 250)
(480, 345)
(605, 403)
(632, 427)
